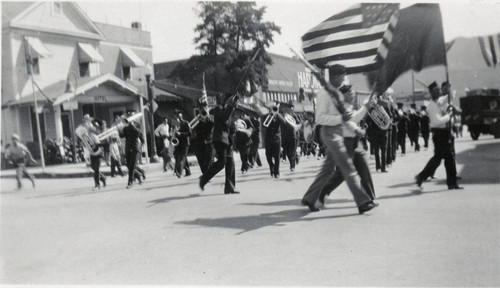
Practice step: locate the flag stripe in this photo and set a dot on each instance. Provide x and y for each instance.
(345, 42)
(345, 35)
(357, 38)
(493, 52)
(486, 54)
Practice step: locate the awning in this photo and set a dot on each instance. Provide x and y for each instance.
(129, 58)
(37, 48)
(87, 54)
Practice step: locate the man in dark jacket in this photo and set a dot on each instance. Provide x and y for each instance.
(254, 147)
(425, 125)
(223, 146)
(414, 127)
(132, 134)
(273, 140)
(181, 150)
(290, 139)
(203, 140)
(243, 141)
(402, 128)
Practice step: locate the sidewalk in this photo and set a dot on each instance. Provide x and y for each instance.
(80, 170)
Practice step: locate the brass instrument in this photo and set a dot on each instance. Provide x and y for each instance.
(113, 131)
(290, 120)
(175, 142)
(89, 140)
(241, 126)
(271, 116)
(379, 116)
(196, 120)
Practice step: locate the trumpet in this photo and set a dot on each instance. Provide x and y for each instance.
(271, 116)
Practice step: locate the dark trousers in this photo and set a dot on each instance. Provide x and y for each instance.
(115, 165)
(290, 151)
(180, 155)
(394, 144)
(379, 143)
(131, 156)
(425, 135)
(388, 150)
(244, 151)
(413, 135)
(443, 149)
(224, 155)
(254, 154)
(402, 141)
(358, 154)
(273, 157)
(205, 156)
(95, 163)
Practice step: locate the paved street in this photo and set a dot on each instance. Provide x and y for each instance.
(167, 232)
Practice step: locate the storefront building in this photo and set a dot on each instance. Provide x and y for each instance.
(47, 46)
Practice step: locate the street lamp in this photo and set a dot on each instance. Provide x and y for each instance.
(153, 158)
(70, 89)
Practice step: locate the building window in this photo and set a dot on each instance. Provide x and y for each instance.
(84, 69)
(126, 73)
(34, 131)
(57, 8)
(36, 66)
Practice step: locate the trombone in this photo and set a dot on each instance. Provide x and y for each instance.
(271, 116)
(196, 120)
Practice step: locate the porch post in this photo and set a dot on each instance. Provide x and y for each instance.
(143, 122)
(58, 120)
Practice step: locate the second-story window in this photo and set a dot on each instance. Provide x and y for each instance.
(126, 73)
(84, 69)
(34, 63)
(56, 8)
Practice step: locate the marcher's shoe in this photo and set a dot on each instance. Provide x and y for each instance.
(178, 175)
(187, 175)
(433, 177)
(367, 207)
(96, 188)
(129, 185)
(103, 182)
(144, 176)
(292, 169)
(232, 192)
(418, 181)
(384, 171)
(201, 184)
(311, 206)
(458, 178)
(318, 204)
(277, 176)
(272, 175)
(455, 187)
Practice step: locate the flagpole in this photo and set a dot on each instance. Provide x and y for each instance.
(39, 133)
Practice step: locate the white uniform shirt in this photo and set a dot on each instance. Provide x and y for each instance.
(437, 112)
(162, 130)
(326, 112)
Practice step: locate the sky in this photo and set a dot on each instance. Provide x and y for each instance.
(172, 23)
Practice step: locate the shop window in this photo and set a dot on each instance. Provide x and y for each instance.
(34, 64)
(88, 109)
(84, 69)
(126, 73)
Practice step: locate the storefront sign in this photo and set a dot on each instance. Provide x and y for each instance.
(100, 99)
(70, 105)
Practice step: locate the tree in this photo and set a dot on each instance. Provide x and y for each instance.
(228, 37)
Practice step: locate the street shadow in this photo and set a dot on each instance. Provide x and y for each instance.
(481, 165)
(176, 198)
(251, 223)
(295, 202)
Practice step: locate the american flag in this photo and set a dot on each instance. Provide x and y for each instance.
(357, 38)
(490, 47)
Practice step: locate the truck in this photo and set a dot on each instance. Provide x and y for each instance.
(481, 112)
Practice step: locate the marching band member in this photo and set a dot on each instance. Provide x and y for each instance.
(181, 149)
(425, 125)
(378, 140)
(161, 133)
(243, 141)
(17, 153)
(273, 140)
(414, 127)
(115, 157)
(441, 136)
(254, 158)
(95, 158)
(290, 139)
(203, 141)
(402, 128)
(355, 151)
(132, 134)
(332, 123)
(223, 146)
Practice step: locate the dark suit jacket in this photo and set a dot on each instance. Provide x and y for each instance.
(222, 123)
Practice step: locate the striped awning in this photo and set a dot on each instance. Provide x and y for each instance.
(129, 58)
(36, 47)
(87, 53)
